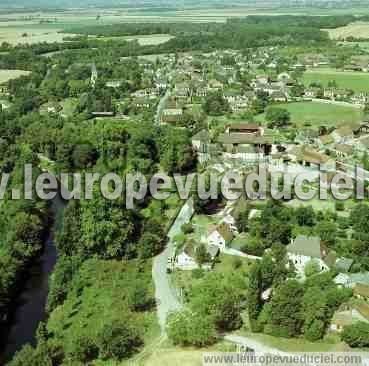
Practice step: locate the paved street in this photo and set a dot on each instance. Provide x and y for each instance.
(166, 296)
(160, 107)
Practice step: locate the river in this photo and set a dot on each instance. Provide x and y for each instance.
(30, 304)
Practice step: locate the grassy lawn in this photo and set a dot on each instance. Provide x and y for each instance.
(357, 81)
(316, 114)
(168, 355)
(227, 264)
(329, 343)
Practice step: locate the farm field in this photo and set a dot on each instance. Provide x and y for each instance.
(316, 114)
(357, 29)
(6, 75)
(357, 81)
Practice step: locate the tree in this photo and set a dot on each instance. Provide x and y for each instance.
(284, 316)
(327, 231)
(150, 245)
(201, 255)
(277, 117)
(187, 328)
(305, 216)
(29, 356)
(84, 156)
(316, 313)
(118, 340)
(215, 297)
(83, 350)
(242, 221)
(356, 335)
(259, 104)
(254, 304)
(297, 90)
(215, 104)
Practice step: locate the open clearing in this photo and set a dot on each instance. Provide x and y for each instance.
(357, 81)
(6, 75)
(357, 30)
(316, 114)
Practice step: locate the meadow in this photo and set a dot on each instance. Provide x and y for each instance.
(316, 114)
(357, 81)
(6, 75)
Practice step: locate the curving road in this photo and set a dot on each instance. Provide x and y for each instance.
(166, 296)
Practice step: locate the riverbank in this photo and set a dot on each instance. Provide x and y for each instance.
(30, 304)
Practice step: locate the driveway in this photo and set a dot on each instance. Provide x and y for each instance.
(166, 296)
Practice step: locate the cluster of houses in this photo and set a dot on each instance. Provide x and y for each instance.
(305, 249)
(300, 252)
(249, 145)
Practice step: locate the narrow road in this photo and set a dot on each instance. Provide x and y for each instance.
(165, 295)
(161, 106)
(257, 346)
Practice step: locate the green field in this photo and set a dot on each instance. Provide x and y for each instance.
(357, 81)
(316, 114)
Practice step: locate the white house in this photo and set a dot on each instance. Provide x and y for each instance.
(186, 258)
(220, 235)
(200, 140)
(304, 249)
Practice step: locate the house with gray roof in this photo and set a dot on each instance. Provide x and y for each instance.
(304, 249)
